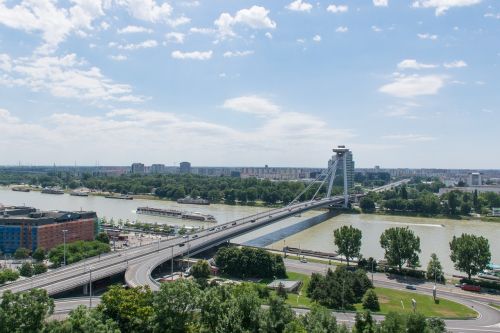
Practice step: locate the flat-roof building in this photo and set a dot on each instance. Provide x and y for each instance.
(31, 228)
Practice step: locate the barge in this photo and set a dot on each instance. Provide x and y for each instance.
(193, 201)
(176, 213)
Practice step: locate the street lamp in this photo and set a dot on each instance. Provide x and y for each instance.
(64, 231)
(90, 287)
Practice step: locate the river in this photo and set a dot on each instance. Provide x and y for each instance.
(435, 234)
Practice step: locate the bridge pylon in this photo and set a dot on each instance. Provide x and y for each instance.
(339, 158)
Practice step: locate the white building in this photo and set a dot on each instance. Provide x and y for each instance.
(474, 179)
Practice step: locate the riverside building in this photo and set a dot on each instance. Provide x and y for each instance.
(31, 228)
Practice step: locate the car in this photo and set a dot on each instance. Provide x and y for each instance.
(211, 229)
(234, 223)
(181, 244)
(224, 226)
(185, 236)
(252, 221)
(194, 236)
(411, 287)
(470, 287)
(303, 260)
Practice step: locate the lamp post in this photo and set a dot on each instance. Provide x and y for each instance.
(64, 231)
(90, 287)
(172, 265)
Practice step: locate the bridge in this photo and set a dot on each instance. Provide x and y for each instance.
(139, 262)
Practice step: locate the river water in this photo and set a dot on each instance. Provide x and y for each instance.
(310, 231)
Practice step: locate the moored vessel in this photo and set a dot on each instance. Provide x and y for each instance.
(196, 216)
(193, 201)
(52, 190)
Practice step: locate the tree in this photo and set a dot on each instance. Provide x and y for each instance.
(364, 323)
(26, 269)
(416, 323)
(200, 270)
(281, 291)
(470, 253)
(348, 242)
(39, 268)
(394, 322)
(21, 253)
(476, 203)
(39, 254)
(434, 269)
(319, 320)
(24, 312)
(296, 326)
(404, 193)
(131, 309)
(277, 316)
(435, 325)
(367, 205)
(453, 202)
(401, 246)
(83, 320)
(174, 306)
(370, 301)
(102, 237)
(8, 274)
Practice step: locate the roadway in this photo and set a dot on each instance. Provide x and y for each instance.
(138, 262)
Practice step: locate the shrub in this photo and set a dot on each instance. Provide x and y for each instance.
(370, 301)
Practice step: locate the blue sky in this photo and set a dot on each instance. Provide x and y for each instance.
(403, 83)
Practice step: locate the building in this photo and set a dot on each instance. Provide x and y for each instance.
(185, 167)
(157, 168)
(495, 211)
(474, 179)
(138, 168)
(471, 189)
(30, 228)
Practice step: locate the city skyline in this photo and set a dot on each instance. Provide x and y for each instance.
(248, 83)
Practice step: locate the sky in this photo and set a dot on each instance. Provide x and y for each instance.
(407, 83)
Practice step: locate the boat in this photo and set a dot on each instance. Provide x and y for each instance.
(193, 201)
(20, 189)
(52, 190)
(176, 213)
(121, 197)
(79, 194)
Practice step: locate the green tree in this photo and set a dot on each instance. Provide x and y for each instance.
(470, 253)
(453, 202)
(370, 301)
(24, 312)
(476, 203)
(174, 306)
(102, 237)
(39, 268)
(364, 323)
(39, 254)
(367, 205)
(319, 320)
(416, 323)
(348, 241)
(434, 269)
(201, 270)
(8, 274)
(401, 246)
(393, 322)
(281, 291)
(131, 309)
(296, 326)
(277, 316)
(21, 253)
(435, 325)
(26, 269)
(83, 320)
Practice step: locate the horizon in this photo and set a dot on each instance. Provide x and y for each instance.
(250, 82)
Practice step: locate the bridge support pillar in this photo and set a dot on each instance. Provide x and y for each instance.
(340, 157)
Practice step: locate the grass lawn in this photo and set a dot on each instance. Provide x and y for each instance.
(390, 300)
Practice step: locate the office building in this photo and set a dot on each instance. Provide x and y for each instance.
(157, 168)
(30, 228)
(138, 168)
(474, 179)
(185, 167)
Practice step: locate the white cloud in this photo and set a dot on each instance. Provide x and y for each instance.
(268, 35)
(65, 76)
(196, 55)
(380, 3)
(412, 86)
(442, 6)
(341, 29)
(455, 64)
(118, 57)
(255, 17)
(301, 40)
(376, 29)
(409, 137)
(317, 38)
(299, 6)
(132, 29)
(202, 31)
(174, 23)
(492, 15)
(337, 9)
(253, 104)
(413, 64)
(427, 36)
(231, 54)
(105, 25)
(147, 10)
(55, 24)
(147, 44)
(175, 37)
(402, 110)
(53, 139)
